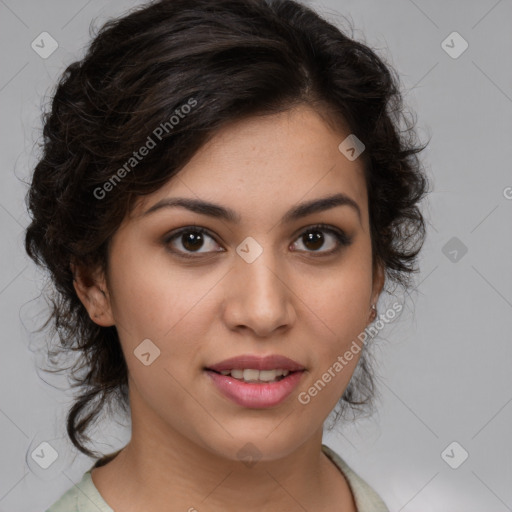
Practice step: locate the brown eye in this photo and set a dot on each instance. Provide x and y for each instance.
(190, 240)
(314, 238)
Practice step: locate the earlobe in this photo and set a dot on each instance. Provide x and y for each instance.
(92, 291)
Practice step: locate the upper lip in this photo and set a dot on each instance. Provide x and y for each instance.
(244, 362)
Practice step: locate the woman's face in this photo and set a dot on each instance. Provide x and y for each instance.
(265, 283)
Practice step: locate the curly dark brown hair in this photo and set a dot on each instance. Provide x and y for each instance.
(231, 59)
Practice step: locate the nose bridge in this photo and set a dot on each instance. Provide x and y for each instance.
(260, 297)
(259, 269)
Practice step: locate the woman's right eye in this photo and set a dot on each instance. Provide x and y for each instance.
(191, 239)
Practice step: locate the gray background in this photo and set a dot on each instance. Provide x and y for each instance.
(444, 366)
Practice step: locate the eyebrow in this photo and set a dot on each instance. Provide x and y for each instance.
(221, 212)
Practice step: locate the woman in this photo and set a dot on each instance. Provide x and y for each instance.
(224, 192)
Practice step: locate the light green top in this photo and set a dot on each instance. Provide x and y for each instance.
(84, 497)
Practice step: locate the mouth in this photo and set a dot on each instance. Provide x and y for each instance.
(255, 389)
(252, 375)
(255, 381)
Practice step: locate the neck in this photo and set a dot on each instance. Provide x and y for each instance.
(160, 465)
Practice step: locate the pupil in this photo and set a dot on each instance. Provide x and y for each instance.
(192, 240)
(315, 238)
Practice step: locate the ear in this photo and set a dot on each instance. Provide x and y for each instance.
(91, 288)
(379, 278)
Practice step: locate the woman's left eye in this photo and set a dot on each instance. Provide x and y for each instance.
(193, 238)
(313, 238)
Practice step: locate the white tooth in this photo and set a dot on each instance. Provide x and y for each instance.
(237, 374)
(251, 374)
(268, 375)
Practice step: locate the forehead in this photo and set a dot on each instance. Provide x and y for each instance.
(268, 163)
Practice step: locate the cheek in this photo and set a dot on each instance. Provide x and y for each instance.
(337, 346)
(149, 297)
(170, 306)
(160, 305)
(341, 301)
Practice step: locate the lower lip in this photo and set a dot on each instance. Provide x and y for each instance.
(254, 395)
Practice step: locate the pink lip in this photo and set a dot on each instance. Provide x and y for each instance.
(254, 395)
(272, 362)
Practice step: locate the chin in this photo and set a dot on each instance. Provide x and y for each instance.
(248, 446)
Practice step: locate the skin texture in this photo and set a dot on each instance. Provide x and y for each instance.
(289, 301)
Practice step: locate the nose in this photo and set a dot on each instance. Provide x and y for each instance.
(259, 297)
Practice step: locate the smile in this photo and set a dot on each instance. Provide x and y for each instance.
(251, 375)
(255, 393)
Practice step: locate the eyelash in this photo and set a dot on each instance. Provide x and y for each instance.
(341, 237)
